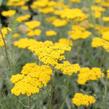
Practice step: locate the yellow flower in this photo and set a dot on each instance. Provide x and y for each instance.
(79, 32)
(48, 52)
(97, 11)
(23, 18)
(9, 13)
(71, 14)
(101, 42)
(67, 68)
(31, 79)
(37, 32)
(33, 33)
(105, 35)
(86, 74)
(47, 10)
(16, 3)
(16, 35)
(59, 22)
(97, 42)
(50, 33)
(66, 41)
(107, 73)
(50, 19)
(24, 8)
(81, 99)
(106, 19)
(40, 3)
(32, 24)
(75, 1)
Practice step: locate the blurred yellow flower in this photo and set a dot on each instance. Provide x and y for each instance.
(9, 13)
(23, 18)
(32, 24)
(50, 33)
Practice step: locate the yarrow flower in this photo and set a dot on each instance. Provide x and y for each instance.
(32, 24)
(59, 22)
(78, 32)
(50, 33)
(9, 13)
(102, 42)
(86, 74)
(23, 18)
(48, 52)
(74, 13)
(16, 3)
(97, 11)
(81, 99)
(31, 79)
(67, 68)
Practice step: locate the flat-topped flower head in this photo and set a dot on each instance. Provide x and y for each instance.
(9, 13)
(67, 68)
(81, 99)
(78, 32)
(48, 52)
(31, 79)
(86, 74)
(101, 41)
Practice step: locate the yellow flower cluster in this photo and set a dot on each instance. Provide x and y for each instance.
(50, 33)
(47, 52)
(105, 19)
(44, 6)
(73, 14)
(101, 42)
(107, 73)
(97, 11)
(32, 29)
(59, 22)
(67, 68)
(32, 24)
(23, 18)
(32, 78)
(79, 32)
(47, 6)
(9, 13)
(81, 99)
(75, 1)
(86, 74)
(16, 3)
(51, 6)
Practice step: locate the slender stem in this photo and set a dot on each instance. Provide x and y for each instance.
(66, 93)
(24, 105)
(105, 92)
(51, 94)
(52, 88)
(5, 48)
(29, 102)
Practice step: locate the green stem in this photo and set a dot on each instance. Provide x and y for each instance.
(29, 102)
(5, 49)
(66, 93)
(51, 94)
(105, 93)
